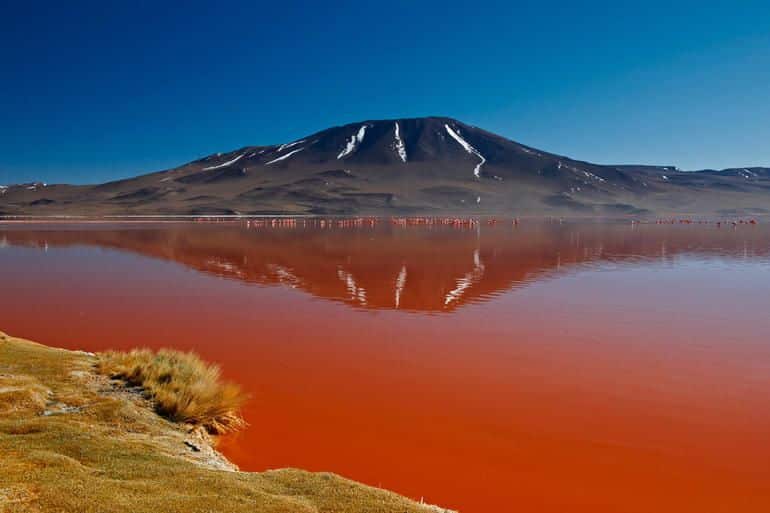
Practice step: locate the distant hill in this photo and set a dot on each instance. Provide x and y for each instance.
(428, 166)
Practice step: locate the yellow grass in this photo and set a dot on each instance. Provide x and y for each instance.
(182, 387)
(21, 394)
(73, 442)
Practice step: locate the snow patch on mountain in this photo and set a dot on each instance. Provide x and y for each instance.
(400, 146)
(593, 176)
(225, 164)
(289, 145)
(353, 143)
(256, 153)
(470, 149)
(283, 157)
(748, 174)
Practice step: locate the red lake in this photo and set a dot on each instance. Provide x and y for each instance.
(545, 366)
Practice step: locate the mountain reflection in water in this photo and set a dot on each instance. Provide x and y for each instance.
(412, 268)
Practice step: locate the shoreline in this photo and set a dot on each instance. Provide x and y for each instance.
(75, 440)
(655, 218)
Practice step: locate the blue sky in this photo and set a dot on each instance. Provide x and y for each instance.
(92, 91)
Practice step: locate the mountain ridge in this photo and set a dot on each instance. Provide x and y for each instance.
(430, 165)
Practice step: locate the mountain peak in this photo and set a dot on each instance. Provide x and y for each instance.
(432, 165)
(421, 119)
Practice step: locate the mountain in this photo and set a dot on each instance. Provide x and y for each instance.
(429, 165)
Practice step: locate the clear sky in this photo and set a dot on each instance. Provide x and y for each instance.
(91, 91)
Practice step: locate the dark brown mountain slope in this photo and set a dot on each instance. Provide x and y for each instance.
(405, 166)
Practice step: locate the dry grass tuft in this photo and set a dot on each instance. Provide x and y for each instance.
(183, 387)
(21, 394)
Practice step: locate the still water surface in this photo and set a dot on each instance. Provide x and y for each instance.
(545, 367)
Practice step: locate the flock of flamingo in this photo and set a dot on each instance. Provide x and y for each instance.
(454, 222)
(718, 224)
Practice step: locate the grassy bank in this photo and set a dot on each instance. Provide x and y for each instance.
(181, 386)
(74, 440)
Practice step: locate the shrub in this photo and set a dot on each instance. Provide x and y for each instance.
(183, 387)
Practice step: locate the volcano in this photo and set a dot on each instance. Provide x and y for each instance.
(426, 166)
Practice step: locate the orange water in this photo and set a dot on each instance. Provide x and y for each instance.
(545, 367)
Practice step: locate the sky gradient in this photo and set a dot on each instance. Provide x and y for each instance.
(91, 92)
